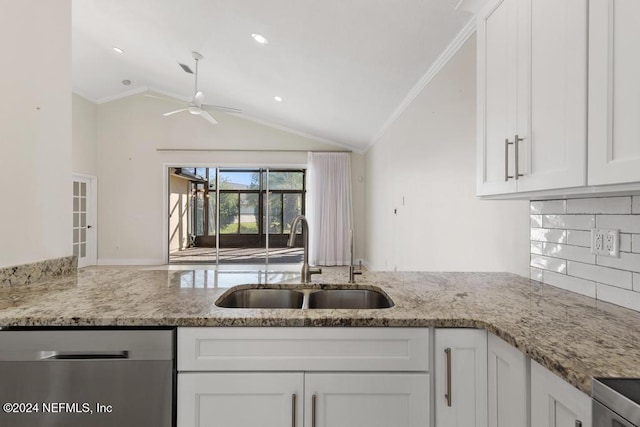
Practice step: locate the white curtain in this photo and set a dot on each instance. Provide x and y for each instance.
(329, 209)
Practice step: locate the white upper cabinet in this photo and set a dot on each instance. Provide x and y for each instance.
(614, 92)
(532, 95)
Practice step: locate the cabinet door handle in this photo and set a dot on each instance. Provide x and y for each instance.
(506, 159)
(516, 142)
(293, 410)
(447, 353)
(313, 411)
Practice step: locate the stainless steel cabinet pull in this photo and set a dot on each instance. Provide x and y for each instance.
(293, 410)
(506, 159)
(313, 411)
(516, 142)
(578, 423)
(447, 352)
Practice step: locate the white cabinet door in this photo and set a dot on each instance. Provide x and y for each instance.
(508, 384)
(240, 399)
(532, 85)
(366, 400)
(614, 92)
(556, 403)
(461, 377)
(552, 94)
(497, 93)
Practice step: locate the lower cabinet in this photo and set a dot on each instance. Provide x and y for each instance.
(556, 403)
(304, 377)
(508, 384)
(286, 399)
(240, 399)
(461, 377)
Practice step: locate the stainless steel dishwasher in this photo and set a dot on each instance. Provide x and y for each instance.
(95, 378)
(616, 402)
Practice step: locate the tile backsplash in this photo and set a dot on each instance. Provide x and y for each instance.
(561, 247)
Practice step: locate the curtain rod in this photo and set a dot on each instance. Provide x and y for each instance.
(248, 150)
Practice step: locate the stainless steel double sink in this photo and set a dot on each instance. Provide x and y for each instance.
(305, 298)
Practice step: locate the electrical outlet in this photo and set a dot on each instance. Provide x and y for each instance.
(605, 242)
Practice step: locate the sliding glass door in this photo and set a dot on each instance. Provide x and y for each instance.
(234, 216)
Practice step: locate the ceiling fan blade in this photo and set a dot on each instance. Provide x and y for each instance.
(209, 107)
(185, 68)
(170, 113)
(164, 98)
(198, 98)
(208, 117)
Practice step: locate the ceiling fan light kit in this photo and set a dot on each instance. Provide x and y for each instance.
(195, 106)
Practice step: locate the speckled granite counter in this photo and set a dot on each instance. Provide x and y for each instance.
(574, 336)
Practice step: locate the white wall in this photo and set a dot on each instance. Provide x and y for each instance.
(132, 175)
(424, 166)
(35, 130)
(83, 136)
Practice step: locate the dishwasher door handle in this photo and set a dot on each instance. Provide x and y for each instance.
(83, 355)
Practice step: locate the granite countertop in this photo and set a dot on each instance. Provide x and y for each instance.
(572, 335)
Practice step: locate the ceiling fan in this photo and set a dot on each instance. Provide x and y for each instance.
(195, 105)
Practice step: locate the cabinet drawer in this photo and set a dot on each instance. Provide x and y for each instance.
(303, 349)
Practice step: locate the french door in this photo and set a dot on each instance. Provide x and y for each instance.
(84, 220)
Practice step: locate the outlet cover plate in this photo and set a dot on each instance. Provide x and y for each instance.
(605, 242)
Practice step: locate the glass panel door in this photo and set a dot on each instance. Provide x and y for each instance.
(241, 240)
(234, 216)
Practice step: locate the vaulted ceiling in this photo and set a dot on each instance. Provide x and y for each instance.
(341, 67)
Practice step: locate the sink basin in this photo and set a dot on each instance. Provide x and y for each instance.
(349, 299)
(262, 298)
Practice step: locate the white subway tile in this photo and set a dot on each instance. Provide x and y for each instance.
(636, 282)
(625, 242)
(579, 238)
(618, 296)
(573, 284)
(536, 220)
(547, 263)
(635, 208)
(573, 253)
(536, 274)
(609, 276)
(573, 222)
(624, 223)
(536, 248)
(635, 243)
(602, 205)
(548, 235)
(548, 207)
(626, 261)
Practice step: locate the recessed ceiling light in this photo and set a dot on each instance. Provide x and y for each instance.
(260, 38)
(277, 98)
(117, 49)
(126, 82)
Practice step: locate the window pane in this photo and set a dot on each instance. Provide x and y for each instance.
(239, 180)
(212, 214)
(201, 172)
(199, 215)
(275, 213)
(292, 206)
(285, 180)
(249, 213)
(229, 213)
(212, 179)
